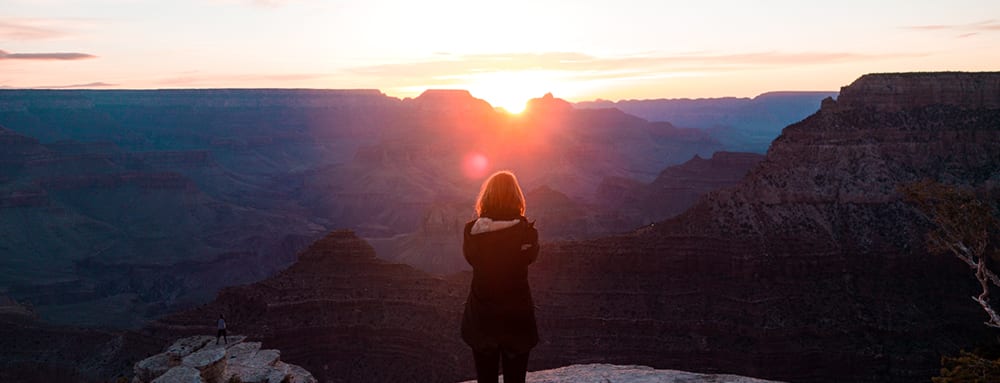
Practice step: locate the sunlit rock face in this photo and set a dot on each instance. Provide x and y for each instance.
(809, 270)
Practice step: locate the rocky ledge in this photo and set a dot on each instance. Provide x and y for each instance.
(602, 373)
(199, 359)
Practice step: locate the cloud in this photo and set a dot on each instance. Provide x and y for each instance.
(260, 3)
(209, 79)
(98, 84)
(583, 66)
(4, 55)
(20, 29)
(969, 29)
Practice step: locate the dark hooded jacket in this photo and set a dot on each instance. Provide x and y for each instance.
(499, 312)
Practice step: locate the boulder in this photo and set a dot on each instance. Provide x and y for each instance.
(243, 350)
(205, 361)
(260, 359)
(150, 368)
(180, 374)
(300, 375)
(210, 361)
(185, 346)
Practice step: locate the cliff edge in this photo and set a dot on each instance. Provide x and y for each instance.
(201, 359)
(899, 91)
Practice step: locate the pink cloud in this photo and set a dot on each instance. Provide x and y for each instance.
(208, 79)
(99, 84)
(970, 29)
(20, 30)
(585, 66)
(4, 55)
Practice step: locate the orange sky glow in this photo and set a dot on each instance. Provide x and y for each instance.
(502, 52)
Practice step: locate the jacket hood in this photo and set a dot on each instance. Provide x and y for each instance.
(486, 225)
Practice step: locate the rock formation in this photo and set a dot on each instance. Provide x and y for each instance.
(900, 91)
(677, 187)
(602, 373)
(200, 359)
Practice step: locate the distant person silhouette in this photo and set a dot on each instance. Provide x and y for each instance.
(499, 318)
(222, 330)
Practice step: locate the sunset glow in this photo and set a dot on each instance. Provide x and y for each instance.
(505, 55)
(511, 90)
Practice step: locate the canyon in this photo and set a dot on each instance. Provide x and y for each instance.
(810, 269)
(120, 206)
(806, 267)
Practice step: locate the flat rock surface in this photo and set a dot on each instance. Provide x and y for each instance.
(186, 346)
(151, 367)
(260, 359)
(243, 350)
(603, 373)
(180, 374)
(206, 361)
(205, 357)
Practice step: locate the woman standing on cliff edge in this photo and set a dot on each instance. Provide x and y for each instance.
(499, 318)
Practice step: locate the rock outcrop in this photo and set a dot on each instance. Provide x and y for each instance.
(900, 91)
(603, 373)
(200, 359)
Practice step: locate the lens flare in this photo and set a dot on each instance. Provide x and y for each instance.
(475, 165)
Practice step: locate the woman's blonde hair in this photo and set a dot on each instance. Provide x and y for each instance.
(500, 197)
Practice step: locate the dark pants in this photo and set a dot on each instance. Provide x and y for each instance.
(488, 366)
(221, 334)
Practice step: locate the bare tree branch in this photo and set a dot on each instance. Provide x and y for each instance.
(963, 227)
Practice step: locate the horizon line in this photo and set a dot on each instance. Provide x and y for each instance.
(383, 93)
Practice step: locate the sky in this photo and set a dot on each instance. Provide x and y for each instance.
(502, 51)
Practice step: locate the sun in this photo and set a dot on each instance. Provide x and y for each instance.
(513, 104)
(510, 90)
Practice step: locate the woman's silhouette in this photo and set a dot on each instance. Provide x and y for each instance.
(499, 318)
